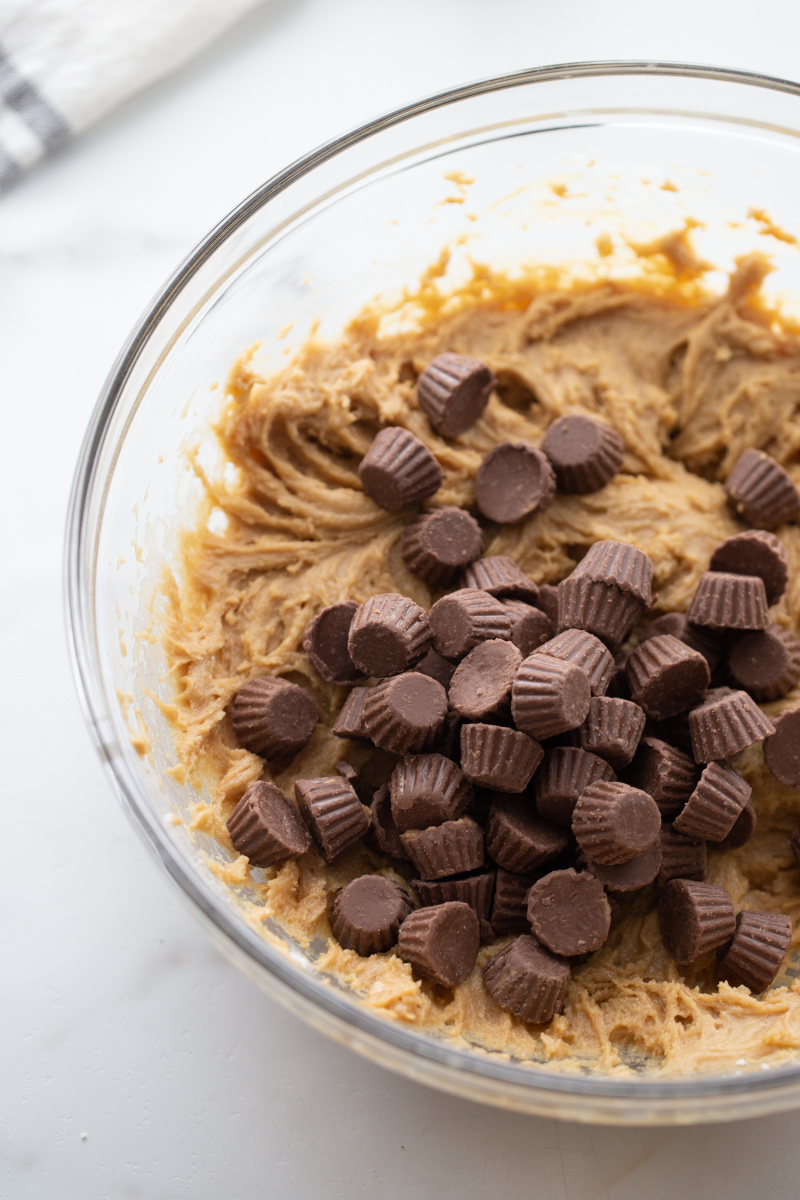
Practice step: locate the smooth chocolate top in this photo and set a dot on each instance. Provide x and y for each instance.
(325, 643)
(755, 552)
(453, 391)
(584, 453)
(569, 912)
(514, 481)
(388, 634)
(399, 470)
(267, 827)
(273, 717)
(441, 942)
(438, 544)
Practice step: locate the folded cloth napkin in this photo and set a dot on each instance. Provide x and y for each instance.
(64, 63)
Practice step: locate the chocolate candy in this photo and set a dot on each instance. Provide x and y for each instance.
(406, 713)
(760, 491)
(755, 552)
(782, 749)
(325, 643)
(530, 627)
(678, 625)
(525, 979)
(600, 608)
(723, 726)
(448, 739)
(584, 453)
(754, 957)
(367, 914)
(583, 650)
(348, 772)
(742, 830)
(725, 601)
(452, 848)
(664, 772)
(388, 634)
(475, 890)
(441, 942)
(518, 839)
(273, 717)
(465, 618)
(398, 470)
(666, 677)
(547, 601)
(562, 778)
(453, 391)
(796, 845)
(514, 481)
(549, 696)
(632, 875)
(510, 907)
(501, 577)
(569, 912)
(437, 667)
(499, 758)
(334, 813)
(383, 831)
(613, 729)
(712, 809)
(614, 822)
(695, 918)
(438, 544)
(626, 567)
(350, 721)
(427, 789)
(766, 664)
(681, 857)
(266, 827)
(481, 686)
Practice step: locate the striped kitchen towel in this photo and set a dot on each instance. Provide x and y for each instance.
(64, 63)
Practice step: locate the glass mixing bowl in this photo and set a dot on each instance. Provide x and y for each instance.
(526, 168)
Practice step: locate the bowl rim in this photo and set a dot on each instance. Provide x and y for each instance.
(397, 1046)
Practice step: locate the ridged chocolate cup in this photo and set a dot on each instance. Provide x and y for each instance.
(438, 544)
(453, 848)
(681, 857)
(724, 602)
(765, 664)
(761, 492)
(569, 912)
(565, 773)
(475, 890)
(666, 677)
(636, 873)
(530, 627)
(388, 634)
(399, 470)
(614, 822)
(499, 758)
(585, 454)
(266, 827)
(350, 721)
(755, 955)
(613, 730)
(441, 942)
(367, 914)
(383, 832)
(518, 839)
(500, 577)
(712, 809)
(514, 481)
(599, 608)
(453, 391)
(679, 626)
(755, 552)
(722, 727)
(694, 918)
(273, 717)
(620, 564)
(525, 979)
(664, 772)
(406, 713)
(427, 789)
(480, 689)
(510, 905)
(325, 644)
(782, 748)
(549, 696)
(461, 621)
(583, 650)
(335, 815)
(742, 830)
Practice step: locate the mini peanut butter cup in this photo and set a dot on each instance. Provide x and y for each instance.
(664, 772)
(453, 848)
(547, 601)
(464, 619)
(398, 470)
(350, 721)
(518, 839)
(565, 773)
(583, 650)
(501, 577)
(618, 686)
(632, 875)
(569, 912)
(427, 789)
(612, 730)
(755, 955)
(367, 914)
(725, 601)
(325, 644)
(273, 717)
(619, 563)
(525, 979)
(266, 827)
(510, 905)
(765, 664)
(499, 758)
(481, 686)
(682, 857)
(453, 391)
(695, 918)
(361, 789)
(755, 552)
(406, 713)
(693, 636)
(715, 804)
(723, 726)
(334, 813)
(742, 830)
(549, 696)
(782, 748)
(438, 544)
(383, 831)
(666, 677)
(441, 942)
(530, 627)
(475, 890)
(436, 667)
(761, 492)
(584, 453)
(514, 481)
(599, 608)
(389, 633)
(614, 822)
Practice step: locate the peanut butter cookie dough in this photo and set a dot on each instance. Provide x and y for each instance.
(689, 381)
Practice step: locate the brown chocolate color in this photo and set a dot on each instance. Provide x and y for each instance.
(398, 470)
(514, 481)
(476, 890)
(724, 602)
(626, 567)
(465, 618)
(501, 577)
(427, 789)
(348, 772)
(726, 724)
(350, 721)
(383, 831)
(481, 686)
(796, 845)
(715, 804)
(518, 839)
(761, 492)
(565, 773)
(388, 634)
(525, 979)
(678, 625)
(510, 907)
(614, 822)
(453, 848)
(742, 830)
(549, 696)
(632, 875)
(266, 827)
(755, 552)
(367, 914)
(681, 857)
(666, 677)
(438, 544)
(695, 918)
(600, 608)
(436, 667)
(613, 729)
(441, 942)
(453, 391)
(782, 748)
(569, 912)
(547, 601)
(664, 772)
(335, 815)
(499, 758)
(405, 714)
(584, 453)
(273, 717)
(757, 950)
(765, 664)
(530, 627)
(325, 643)
(583, 650)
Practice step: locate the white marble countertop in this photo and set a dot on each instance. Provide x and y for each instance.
(136, 1062)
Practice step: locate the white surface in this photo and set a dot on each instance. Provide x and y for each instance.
(120, 1022)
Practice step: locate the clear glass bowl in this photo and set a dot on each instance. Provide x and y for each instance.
(558, 156)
